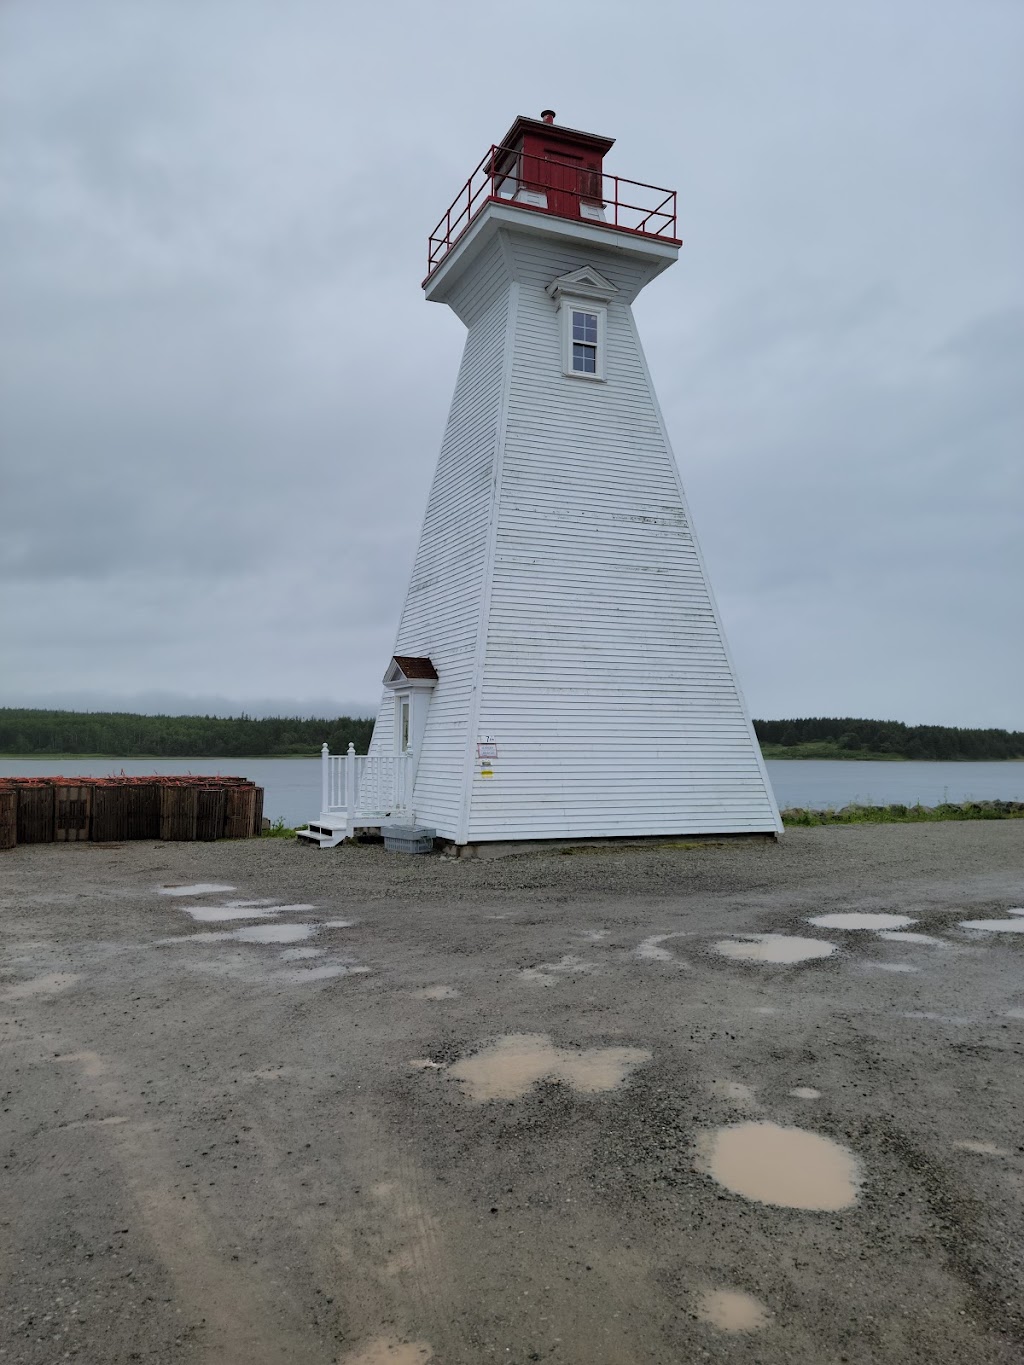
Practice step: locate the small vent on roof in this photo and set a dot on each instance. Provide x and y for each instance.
(548, 115)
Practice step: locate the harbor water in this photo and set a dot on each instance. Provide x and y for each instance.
(292, 785)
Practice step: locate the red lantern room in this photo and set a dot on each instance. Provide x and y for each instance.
(557, 169)
(541, 166)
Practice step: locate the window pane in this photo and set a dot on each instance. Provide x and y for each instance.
(584, 328)
(584, 358)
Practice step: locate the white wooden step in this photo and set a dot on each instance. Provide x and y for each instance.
(323, 833)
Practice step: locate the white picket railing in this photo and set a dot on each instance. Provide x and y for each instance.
(365, 787)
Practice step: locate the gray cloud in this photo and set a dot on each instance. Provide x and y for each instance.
(221, 395)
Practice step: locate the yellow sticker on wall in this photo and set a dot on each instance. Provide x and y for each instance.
(486, 772)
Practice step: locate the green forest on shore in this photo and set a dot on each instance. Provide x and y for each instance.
(107, 734)
(112, 734)
(845, 737)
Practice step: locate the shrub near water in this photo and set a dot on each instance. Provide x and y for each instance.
(904, 815)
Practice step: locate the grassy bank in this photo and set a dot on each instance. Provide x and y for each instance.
(906, 815)
(823, 748)
(848, 815)
(279, 830)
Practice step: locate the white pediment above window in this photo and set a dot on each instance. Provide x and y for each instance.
(585, 283)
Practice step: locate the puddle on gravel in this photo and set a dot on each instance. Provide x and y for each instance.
(298, 954)
(651, 948)
(900, 936)
(784, 948)
(981, 1148)
(251, 933)
(436, 993)
(734, 1091)
(1015, 1013)
(995, 926)
(50, 984)
(788, 1167)
(390, 1351)
(221, 914)
(425, 1064)
(805, 1092)
(730, 1310)
(547, 973)
(849, 919)
(336, 923)
(197, 889)
(507, 1068)
(274, 933)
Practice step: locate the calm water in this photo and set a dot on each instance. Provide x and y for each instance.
(292, 785)
(821, 783)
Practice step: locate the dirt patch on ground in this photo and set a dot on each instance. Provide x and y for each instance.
(388, 1145)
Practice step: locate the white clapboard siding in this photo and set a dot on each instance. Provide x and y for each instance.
(559, 588)
(441, 616)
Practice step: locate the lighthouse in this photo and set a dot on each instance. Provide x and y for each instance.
(560, 669)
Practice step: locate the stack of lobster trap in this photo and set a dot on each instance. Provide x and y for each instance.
(44, 810)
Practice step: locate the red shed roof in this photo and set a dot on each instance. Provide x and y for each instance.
(414, 667)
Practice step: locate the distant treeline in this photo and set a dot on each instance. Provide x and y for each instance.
(888, 738)
(122, 735)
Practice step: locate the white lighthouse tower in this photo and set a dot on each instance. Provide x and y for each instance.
(560, 670)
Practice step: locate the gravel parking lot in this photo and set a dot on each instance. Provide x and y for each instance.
(268, 1103)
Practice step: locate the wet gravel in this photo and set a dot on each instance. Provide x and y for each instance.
(216, 1151)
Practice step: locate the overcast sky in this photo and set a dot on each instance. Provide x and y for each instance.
(222, 395)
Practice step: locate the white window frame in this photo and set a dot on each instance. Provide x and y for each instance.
(403, 733)
(566, 307)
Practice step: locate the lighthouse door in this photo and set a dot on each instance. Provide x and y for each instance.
(562, 177)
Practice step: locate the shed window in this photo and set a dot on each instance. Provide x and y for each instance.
(403, 727)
